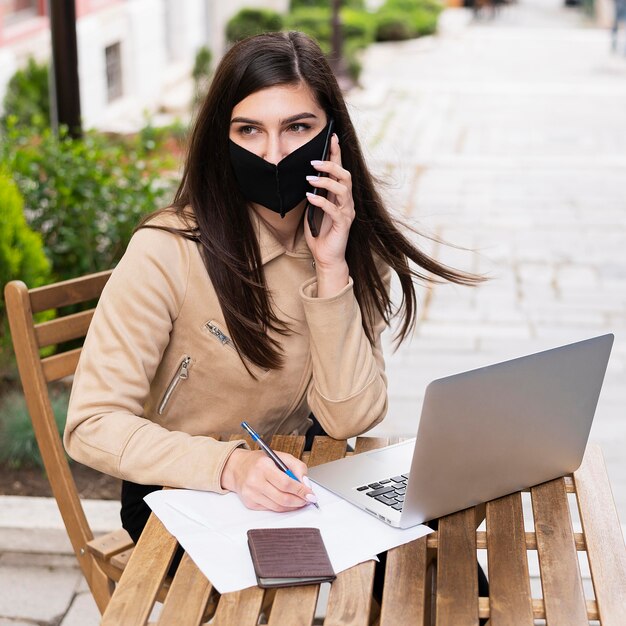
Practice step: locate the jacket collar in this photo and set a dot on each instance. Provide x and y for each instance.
(270, 247)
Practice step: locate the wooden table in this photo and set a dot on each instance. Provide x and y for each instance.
(431, 580)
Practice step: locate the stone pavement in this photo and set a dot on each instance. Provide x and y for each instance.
(502, 136)
(507, 137)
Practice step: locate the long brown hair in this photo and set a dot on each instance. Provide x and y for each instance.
(223, 227)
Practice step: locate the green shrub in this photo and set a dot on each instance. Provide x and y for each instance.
(21, 250)
(154, 139)
(201, 73)
(21, 255)
(353, 60)
(358, 30)
(435, 6)
(315, 22)
(358, 26)
(299, 4)
(250, 22)
(393, 26)
(18, 446)
(404, 19)
(424, 22)
(27, 98)
(84, 196)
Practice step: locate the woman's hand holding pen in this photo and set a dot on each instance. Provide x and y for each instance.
(329, 249)
(262, 486)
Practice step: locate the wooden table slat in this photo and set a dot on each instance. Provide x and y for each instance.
(457, 573)
(142, 577)
(539, 611)
(188, 596)
(364, 444)
(294, 606)
(605, 543)
(325, 450)
(246, 438)
(404, 599)
(509, 583)
(531, 541)
(293, 445)
(241, 608)
(350, 598)
(558, 562)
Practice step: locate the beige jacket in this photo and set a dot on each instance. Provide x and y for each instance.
(158, 375)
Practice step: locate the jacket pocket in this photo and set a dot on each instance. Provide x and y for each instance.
(181, 375)
(214, 329)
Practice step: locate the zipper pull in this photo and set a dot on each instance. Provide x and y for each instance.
(214, 330)
(183, 372)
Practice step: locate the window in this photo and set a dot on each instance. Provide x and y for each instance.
(113, 55)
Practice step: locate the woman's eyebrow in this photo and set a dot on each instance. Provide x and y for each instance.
(288, 120)
(299, 116)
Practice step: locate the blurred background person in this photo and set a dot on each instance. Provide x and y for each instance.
(620, 17)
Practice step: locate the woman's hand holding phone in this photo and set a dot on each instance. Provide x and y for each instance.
(329, 247)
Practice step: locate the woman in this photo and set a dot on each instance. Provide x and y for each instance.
(226, 308)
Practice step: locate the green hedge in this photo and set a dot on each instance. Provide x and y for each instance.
(27, 100)
(84, 196)
(393, 26)
(435, 6)
(201, 73)
(358, 25)
(395, 20)
(21, 254)
(21, 249)
(315, 22)
(299, 4)
(358, 29)
(250, 22)
(424, 22)
(405, 19)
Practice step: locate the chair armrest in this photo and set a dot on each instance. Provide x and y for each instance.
(106, 546)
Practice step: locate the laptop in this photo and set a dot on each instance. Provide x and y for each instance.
(483, 434)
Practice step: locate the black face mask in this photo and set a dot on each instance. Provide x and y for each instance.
(281, 187)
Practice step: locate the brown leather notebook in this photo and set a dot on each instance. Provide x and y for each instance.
(284, 557)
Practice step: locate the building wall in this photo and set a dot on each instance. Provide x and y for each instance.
(18, 43)
(158, 42)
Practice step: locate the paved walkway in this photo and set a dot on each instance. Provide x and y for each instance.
(508, 139)
(503, 136)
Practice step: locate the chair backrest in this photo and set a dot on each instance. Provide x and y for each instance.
(35, 373)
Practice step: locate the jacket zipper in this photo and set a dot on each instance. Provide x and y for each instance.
(181, 374)
(225, 340)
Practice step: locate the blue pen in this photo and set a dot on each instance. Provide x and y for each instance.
(279, 464)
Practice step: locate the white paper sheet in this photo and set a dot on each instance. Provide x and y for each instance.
(212, 530)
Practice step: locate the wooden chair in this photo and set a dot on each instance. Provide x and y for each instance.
(101, 560)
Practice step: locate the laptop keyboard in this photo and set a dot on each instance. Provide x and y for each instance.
(389, 491)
